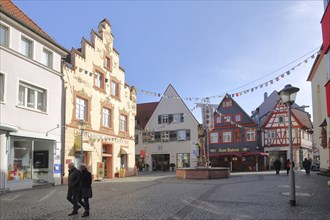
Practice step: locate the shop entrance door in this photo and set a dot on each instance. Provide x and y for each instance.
(160, 162)
(107, 160)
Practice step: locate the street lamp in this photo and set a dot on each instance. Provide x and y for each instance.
(81, 127)
(288, 96)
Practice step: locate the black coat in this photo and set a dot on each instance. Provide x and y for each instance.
(74, 179)
(86, 184)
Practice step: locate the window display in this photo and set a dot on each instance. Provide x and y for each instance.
(19, 160)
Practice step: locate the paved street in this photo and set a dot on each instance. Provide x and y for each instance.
(262, 195)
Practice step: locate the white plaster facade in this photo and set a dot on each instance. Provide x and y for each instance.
(318, 78)
(177, 151)
(24, 127)
(93, 75)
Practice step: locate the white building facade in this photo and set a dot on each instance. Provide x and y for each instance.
(31, 102)
(169, 136)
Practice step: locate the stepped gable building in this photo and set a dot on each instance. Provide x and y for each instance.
(167, 134)
(30, 102)
(100, 108)
(234, 141)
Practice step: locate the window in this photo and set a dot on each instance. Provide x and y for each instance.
(271, 134)
(157, 137)
(238, 117)
(227, 104)
(178, 117)
(106, 118)
(2, 87)
(32, 97)
(164, 119)
(148, 137)
(183, 160)
(218, 119)
(27, 47)
(226, 137)
(81, 108)
(250, 135)
(99, 80)
(181, 135)
(4, 36)
(237, 136)
(107, 62)
(123, 123)
(214, 137)
(281, 119)
(47, 58)
(165, 136)
(227, 118)
(114, 88)
(173, 135)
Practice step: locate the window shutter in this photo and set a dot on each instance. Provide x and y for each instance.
(188, 134)
(159, 119)
(181, 117)
(170, 118)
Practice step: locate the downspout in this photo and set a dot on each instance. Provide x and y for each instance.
(63, 127)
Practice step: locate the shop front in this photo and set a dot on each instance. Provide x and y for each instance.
(32, 162)
(160, 162)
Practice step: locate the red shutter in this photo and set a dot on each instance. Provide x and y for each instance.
(326, 29)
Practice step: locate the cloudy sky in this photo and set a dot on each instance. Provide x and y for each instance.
(202, 48)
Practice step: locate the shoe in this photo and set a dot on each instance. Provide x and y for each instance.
(85, 214)
(74, 212)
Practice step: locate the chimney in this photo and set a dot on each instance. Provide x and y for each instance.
(265, 96)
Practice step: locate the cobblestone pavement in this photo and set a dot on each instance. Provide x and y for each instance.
(262, 195)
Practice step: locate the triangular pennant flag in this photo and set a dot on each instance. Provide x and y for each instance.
(277, 78)
(282, 75)
(312, 56)
(288, 72)
(271, 81)
(236, 94)
(252, 90)
(266, 84)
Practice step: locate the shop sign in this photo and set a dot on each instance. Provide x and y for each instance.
(100, 169)
(103, 138)
(228, 150)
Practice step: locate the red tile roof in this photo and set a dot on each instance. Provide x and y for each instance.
(144, 112)
(9, 8)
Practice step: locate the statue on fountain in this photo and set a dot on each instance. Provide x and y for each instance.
(202, 160)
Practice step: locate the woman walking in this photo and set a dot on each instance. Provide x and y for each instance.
(85, 188)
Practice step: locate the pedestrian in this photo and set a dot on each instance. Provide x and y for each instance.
(277, 166)
(85, 188)
(73, 188)
(288, 165)
(307, 166)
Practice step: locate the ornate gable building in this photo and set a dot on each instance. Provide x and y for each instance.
(100, 107)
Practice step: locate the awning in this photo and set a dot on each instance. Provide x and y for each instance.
(255, 153)
(123, 150)
(226, 154)
(6, 127)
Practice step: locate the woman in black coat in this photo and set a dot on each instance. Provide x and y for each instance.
(85, 188)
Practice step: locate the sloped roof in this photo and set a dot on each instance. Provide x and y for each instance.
(303, 118)
(9, 8)
(144, 112)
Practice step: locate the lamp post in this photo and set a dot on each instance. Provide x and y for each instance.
(81, 127)
(288, 96)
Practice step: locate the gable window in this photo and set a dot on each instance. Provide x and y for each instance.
(237, 135)
(227, 118)
(2, 87)
(27, 47)
(99, 80)
(214, 137)
(165, 136)
(32, 97)
(123, 123)
(226, 137)
(107, 62)
(227, 104)
(178, 117)
(106, 117)
(250, 134)
(164, 119)
(4, 36)
(281, 119)
(47, 58)
(218, 119)
(115, 89)
(81, 108)
(238, 117)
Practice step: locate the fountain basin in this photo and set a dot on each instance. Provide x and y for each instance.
(203, 173)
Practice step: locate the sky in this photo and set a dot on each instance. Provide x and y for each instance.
(203, 48)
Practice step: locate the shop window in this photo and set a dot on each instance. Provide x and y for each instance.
(183, 160)
(40, 159)
(19, 160)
